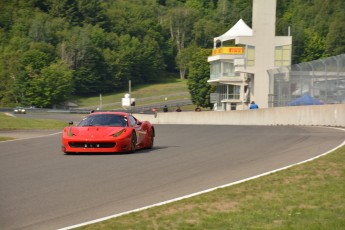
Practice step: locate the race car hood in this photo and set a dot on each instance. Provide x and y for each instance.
(94, 132)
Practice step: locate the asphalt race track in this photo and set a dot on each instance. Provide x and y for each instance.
(41, 188)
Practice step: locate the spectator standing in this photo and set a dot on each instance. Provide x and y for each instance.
(253, 105)
(197, 109)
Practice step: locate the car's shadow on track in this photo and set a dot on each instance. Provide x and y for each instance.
(139, 151)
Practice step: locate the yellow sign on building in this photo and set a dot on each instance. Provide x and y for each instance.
(228, 50)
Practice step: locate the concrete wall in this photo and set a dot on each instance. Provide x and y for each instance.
(320, 115)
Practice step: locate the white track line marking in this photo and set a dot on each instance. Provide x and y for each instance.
(198, 193)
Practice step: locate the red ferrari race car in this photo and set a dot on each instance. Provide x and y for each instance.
(108, 132)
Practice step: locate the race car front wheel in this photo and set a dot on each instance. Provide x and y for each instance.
(133, 142)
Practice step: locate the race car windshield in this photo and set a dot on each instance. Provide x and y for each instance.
(104, 120)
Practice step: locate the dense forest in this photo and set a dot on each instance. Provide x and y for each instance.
(51, 50)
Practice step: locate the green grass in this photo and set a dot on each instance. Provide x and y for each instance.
(13, 123)
(171, 88)
(6, 138)
(307, 196)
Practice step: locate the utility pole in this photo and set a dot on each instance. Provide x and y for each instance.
(129, 87)
(100, 101)
(130, 96)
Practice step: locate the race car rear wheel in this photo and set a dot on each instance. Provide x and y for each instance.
(133, 142)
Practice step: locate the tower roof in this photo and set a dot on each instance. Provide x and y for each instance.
(239, 29)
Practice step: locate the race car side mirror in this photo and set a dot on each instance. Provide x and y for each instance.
(70, 123)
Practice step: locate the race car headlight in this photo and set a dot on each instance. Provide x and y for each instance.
(119, 133)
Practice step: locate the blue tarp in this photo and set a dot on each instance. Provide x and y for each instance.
(306, 99)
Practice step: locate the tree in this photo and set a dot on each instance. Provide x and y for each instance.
(34, 60)
(73, 48)
(223, 10)
(314, 47)
(180, 27)
(31, 64)
(151, 61)
(52, 87)
(335, 40)
(78, 50)
(126, 59)
(92, 12)
(9, 66)
(199, 73)
(184, 57)
(40, 29)
(67, 9)
(204, 31)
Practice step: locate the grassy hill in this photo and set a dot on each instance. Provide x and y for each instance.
(168, 91)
